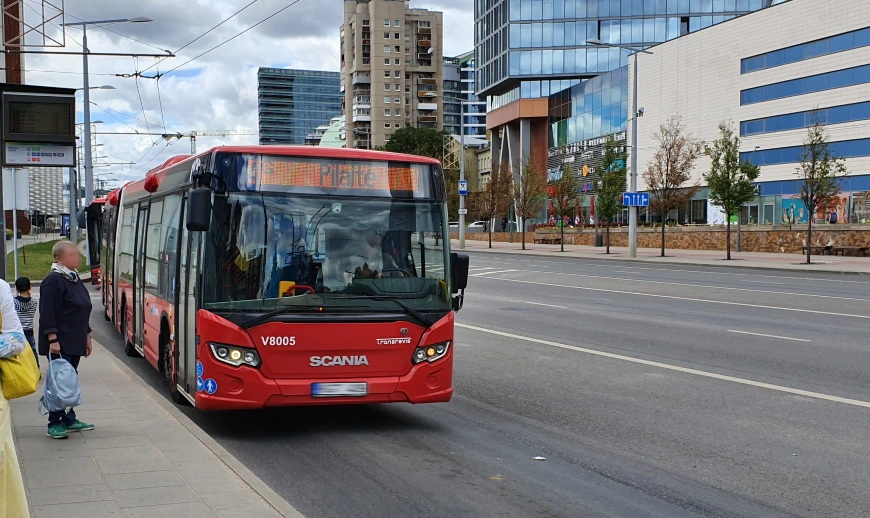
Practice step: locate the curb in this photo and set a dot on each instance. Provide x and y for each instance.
(543, 253)
(248, 477)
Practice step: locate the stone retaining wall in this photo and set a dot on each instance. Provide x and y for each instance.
(774, 239)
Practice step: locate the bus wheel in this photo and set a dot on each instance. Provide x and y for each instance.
(166, 369)
(129, 350)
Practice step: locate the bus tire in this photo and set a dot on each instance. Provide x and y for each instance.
(129, 350)
(166, 366)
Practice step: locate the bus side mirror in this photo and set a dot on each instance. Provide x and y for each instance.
(198, 209)
(458, 278)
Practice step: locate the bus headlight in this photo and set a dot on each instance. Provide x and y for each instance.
(235, 356)
(430, 353)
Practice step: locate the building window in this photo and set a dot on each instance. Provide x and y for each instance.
(795, 53)
(365, 23)
(407, 52)
(397, 125)
(387, 74)
(398, 74)
(387, 125)
(398, 49)
(386, 87)
(397, 62)
(386, 23)
(397, 23)
(397, 100)
(386, 100)
(386, 35)
(387, 112)
(396, 35)
(804, 85)
(386, 49)
(800, 120)
(397, 112)
(788, 155)
(398, 87)
(387, 61)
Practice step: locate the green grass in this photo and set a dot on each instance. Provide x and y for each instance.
(34, 261)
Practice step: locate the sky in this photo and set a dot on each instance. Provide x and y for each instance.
(217, 91)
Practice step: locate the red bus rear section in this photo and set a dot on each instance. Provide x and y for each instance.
(239, 323)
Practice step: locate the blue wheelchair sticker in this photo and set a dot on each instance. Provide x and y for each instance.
(199, 368)
(199, 384)
(210, 386)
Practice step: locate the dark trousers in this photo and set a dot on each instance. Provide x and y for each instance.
(64, 417)
(28, 333)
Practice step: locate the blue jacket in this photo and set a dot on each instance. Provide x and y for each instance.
(64, 309)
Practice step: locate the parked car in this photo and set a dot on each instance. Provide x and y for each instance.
(453, 225)
(477, 226)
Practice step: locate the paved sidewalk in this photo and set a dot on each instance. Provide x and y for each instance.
(760, 260)
(145, 458)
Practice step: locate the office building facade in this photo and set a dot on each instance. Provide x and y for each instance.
(391, 70)
(292, 104)
(812, 64)
(460, 100)
(526, 50)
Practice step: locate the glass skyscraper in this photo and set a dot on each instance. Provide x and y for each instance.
(522, 40)
(293, 103)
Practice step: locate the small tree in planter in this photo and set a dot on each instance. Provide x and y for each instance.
(565, 190)
(670, 169)
(730, 180)
(610, 183)
(818, 174)
(529, 195)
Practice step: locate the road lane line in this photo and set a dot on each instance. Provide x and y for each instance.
(762, 282)
(713, 271)
(548, 305)
(769, 336)
(667, 366)
(495, 271)
(706, 286)
(743, 304)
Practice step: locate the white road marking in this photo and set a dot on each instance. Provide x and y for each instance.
(548, 305)
(743, 304)
(769, 336)
(713, 272)
(707, 286)
(761, 282)
(706, 374)
(495, 271)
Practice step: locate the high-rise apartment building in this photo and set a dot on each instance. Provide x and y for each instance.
(391, 70)
(460, 100)
(292, 104)
(527, 50)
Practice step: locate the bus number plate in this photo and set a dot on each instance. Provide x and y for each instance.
(339, 389)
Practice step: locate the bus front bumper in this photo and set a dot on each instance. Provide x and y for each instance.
(247, 388)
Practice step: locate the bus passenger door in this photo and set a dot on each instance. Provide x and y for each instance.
(139, 280)
(186, 314)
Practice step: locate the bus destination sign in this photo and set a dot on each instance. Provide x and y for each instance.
(352, 177)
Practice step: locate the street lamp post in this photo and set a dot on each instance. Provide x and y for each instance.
(632, 211)
(462, 103)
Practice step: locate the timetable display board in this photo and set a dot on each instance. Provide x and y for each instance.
(38, 126)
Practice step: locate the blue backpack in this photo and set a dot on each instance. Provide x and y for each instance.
(62, 390)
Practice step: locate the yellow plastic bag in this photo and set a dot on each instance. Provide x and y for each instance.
(19, 375)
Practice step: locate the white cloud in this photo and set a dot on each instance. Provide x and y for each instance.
(216, 91)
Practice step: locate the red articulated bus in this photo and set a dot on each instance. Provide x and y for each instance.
(92, 221)
(278, 275)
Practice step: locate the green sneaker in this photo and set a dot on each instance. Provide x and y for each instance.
(79, 426)
(57, 431)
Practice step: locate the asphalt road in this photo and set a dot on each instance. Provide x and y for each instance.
(649, 390)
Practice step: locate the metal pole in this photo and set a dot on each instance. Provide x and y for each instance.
(192, 145)
(462, 175)
(3, 232)
(14, 223)
(89, 172)
(73, 224)
(632, 211)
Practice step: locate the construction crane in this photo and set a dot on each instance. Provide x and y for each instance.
(206, 133)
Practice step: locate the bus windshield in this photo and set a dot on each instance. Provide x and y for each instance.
(268, 251)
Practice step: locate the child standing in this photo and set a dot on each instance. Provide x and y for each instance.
(25, 306)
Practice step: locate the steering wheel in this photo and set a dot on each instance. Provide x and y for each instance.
(299, 287)
(404, 272)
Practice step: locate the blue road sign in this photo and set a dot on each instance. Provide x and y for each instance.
(199, 368)
(199, 384)
(635, 199)
(210, 386)
(463, 187)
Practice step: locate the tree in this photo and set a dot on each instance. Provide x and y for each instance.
(670, 169)
(730, 181)
(417, 141)
(494, 199)
(564, 192)
(610, 183)
(819, 174)
(529, 195)
(451, 178)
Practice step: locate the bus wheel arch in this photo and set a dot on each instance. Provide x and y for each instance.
(129, 350)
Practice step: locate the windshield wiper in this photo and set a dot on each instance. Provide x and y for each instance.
(286, 309)
(411, 311)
